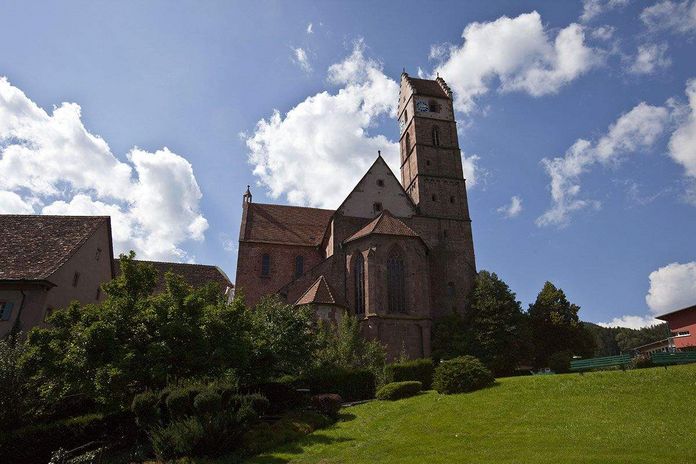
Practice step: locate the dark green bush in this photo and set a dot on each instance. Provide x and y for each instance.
(462, 374)
(350, 384)
(641, 362)
(145, 408)
(179, 402)
(281, 397)
(328, 404)
(293, 426)
(176, 439)
(416, 369)
(560, 362)
(207, 402)
(398, 390)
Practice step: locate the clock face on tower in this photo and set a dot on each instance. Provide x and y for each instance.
(422, 106)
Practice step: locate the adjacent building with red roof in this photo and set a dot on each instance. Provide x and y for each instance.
(397, 254)
(682, 324)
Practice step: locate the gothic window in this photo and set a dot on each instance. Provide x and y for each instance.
(408, 143)
(396, 285)
(299, 266)
(359, 282)
(76, 279)
(265, 264)
(436, 136)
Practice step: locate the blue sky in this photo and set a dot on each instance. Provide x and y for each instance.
(93, 92)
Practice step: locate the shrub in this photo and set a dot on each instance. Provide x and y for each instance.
(560, 362)
(177, 439)
(350, 384)
(398, 390)
(462, 374)
(641, 362)
(417, 369)
(207, 402)
(145, 408)
(281, 396)
(328, 404)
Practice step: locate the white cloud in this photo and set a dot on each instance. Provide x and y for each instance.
(636, 130)
(603, 32)
(632, 322)
(300, 57)
(519, 52)
(649, 58)
(310, 28)
(672, 287)
(682, 144)
(513, 209)
(470, 169)
(594, 8)
(679, 17)
(51, 164)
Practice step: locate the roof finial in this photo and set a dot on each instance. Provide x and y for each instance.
(379, 153)
(247, 195)
(438, 74)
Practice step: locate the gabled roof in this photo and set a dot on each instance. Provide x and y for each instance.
(384, 224)
(196, 275)
(291, 225)
(663, 316)
(427, 87)
(33, 247)
(318, 293)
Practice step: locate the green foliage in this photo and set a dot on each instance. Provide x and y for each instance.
(460, 375)
(641, 362)
(17, 399)
(628, 339)
(145, 408)
(289, 428)
(560, 362)
(397, 390)
(328, 404)
(417, 369)
(281, 397)
(180, 402)
(450, 337)
(207, 402)
(555, 326)
(176, 439)
(350, 384)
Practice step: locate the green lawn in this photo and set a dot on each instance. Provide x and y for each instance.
(643, 416)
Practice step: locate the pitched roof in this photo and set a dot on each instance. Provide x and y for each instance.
(196, 275)
(318, 293)
(428, 87)
(293, 225)
(663, 317)
(33, 247)
(384, 224)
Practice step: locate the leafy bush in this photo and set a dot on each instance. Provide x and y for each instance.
(145, 408)
(398, 390)
(180, 402)
(207, 402)
(417, 369)
(641, 362)
(176, 439)
(560, 362)
(462, 374)
(350, 384)
(281, 396)
(328, 404)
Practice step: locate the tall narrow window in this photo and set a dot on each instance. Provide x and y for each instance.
(265, 264)
(299, 266)
(359, 282)
(5, 310)
(75, 279)
(408, 143)
(436, 136)
(396, 284)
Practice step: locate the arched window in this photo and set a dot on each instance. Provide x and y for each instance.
(359, 282)
(408, 143)
(436, 136)
(265, 264)
(396, 285)
(299, 266)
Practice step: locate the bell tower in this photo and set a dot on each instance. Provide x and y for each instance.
(431, 164)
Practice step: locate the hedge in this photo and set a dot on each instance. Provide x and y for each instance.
(397, 390)
(417, 369)
(460, 375)
(350, 384)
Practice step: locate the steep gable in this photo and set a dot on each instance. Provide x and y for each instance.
(378, 187)
(384, 224)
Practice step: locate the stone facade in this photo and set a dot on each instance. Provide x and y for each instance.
(396, 254)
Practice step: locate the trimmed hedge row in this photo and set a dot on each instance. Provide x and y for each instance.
(397, 390)
(351, 385)
(416, 369)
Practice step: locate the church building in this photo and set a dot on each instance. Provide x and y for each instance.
(396, 254)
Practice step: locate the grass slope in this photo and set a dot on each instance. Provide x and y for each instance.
(643, 416)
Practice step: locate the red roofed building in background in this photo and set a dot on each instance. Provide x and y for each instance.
(682, 324)
(397, 254)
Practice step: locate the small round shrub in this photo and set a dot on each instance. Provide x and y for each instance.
(145, 409)
(415, 369)
(179, 403)
(397, 390)
(207, 402)
(281, 397)
(641, 362)
(327, 403)
(560, 362)
(460, 375)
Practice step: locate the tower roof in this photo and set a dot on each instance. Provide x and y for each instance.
(432, 88)
(318, 293)
(384, 224)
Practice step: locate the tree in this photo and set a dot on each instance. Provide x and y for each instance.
(555, 326)
(450, 337)
(495, 324)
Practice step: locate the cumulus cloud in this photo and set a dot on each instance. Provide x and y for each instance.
(650, 58)
(519, 52)
(603, 32)
(636, 130)
(632, 322)
(682, 144)
(513, 209)
(51, 164)
(679, 17)
(594, 8)
(672, 287)
(299, 56)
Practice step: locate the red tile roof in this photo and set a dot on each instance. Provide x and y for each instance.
(196, 275)
(427, 87)
(34, 247)
(318, 293)
(291, 225)
(384, 224)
